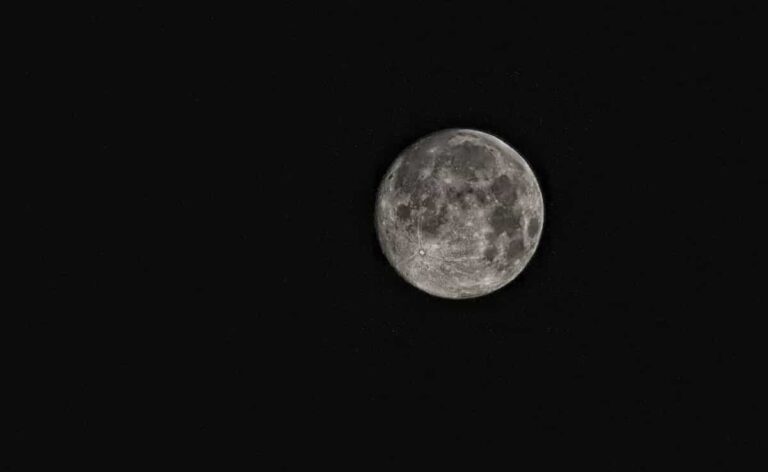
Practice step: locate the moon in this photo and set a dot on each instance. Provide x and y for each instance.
(459, 214)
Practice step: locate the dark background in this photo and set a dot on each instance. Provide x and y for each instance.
(203, 283)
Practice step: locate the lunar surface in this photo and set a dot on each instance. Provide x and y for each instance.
(459, 214)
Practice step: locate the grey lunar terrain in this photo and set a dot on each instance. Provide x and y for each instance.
(459, 213)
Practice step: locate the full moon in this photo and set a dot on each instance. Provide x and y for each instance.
(459, 213)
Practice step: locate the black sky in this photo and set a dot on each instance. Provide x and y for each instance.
(203, 272)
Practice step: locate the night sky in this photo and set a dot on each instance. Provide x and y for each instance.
(202, 278)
